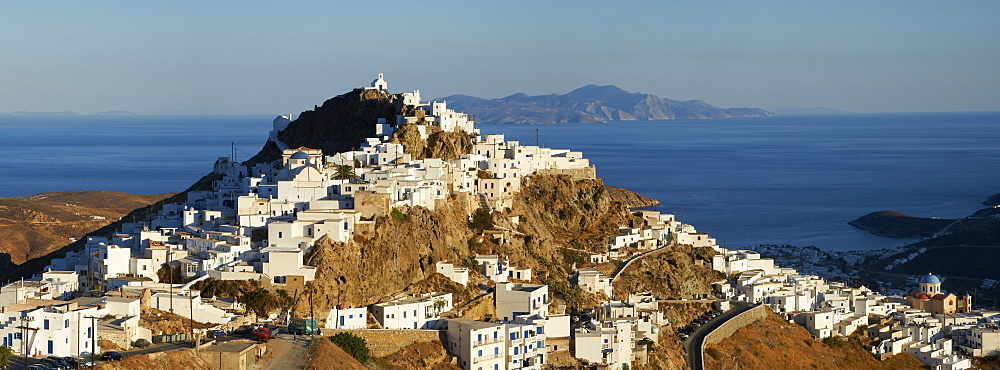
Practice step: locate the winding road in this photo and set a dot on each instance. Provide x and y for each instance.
(694, 346)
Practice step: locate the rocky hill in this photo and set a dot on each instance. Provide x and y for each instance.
(591, 103)
(551, 221)
(773, 343)
(35, 225)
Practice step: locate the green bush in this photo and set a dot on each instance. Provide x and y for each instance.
(399, 215)
(5, 353)
(353, 345)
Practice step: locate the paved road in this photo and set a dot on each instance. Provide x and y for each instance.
(693, 345)
(285, 351)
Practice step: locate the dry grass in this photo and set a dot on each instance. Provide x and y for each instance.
(185, 359)
(325, 355)
(773, 343)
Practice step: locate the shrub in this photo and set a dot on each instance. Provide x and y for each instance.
(713, 352)
(481, 220)
(353, 345)
(835, 342)
(399, 215)
(5, 353)
(646, 342)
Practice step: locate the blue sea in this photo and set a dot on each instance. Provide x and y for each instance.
(770, 180)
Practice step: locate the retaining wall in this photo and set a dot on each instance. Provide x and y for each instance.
(736, 323)
(384, 342)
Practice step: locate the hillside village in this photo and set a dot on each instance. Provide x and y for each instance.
(268, 222)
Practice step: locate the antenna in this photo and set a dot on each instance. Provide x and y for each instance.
(536, 137)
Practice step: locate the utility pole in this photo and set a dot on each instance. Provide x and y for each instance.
(313, 335)
(191, 304)
(93, 338)
(25, 322)
(170, 265)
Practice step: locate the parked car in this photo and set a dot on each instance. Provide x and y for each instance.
(243, 330)
(216, 333)
(112, 356)
(53, 363)
(59, 362)
(39, 367)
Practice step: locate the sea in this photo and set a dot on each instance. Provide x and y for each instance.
(781, 180)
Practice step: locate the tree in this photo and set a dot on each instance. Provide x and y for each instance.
(344, 172)
(481, 220)
(353, 345)
(5, 353)
(260, 301)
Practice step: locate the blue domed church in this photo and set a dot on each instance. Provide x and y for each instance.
(930, 298)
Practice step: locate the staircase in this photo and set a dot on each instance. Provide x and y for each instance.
(484, 204)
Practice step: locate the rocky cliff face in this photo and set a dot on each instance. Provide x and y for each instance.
(674, 272)
(342, 123)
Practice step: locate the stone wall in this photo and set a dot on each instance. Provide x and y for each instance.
(736, 323)
(577, 173)
(384, 342)
(370, 204)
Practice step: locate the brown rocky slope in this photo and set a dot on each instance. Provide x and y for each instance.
(773, 343)
(36, 225)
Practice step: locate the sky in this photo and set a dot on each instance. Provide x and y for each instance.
(248, 57)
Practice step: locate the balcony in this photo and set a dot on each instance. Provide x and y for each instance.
(486, 357)
(486, 341)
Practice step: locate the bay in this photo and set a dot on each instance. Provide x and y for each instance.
(776, 180)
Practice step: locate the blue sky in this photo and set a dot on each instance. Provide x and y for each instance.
(271, 57)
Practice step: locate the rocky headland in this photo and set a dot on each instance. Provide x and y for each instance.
(899, 225)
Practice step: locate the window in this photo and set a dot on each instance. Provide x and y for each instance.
(404, 314)
(513, 336)
(515, 350)
(46, 325)
(67, 323)
(480, 353)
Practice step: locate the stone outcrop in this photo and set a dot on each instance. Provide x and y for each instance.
(630, 198)
(676, 271)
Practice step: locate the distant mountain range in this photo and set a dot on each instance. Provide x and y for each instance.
(591, 103)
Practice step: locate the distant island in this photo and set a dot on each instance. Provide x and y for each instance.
(69, 113)
(789, 111)
(591, 103)
(115, 113)
(53, 113)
